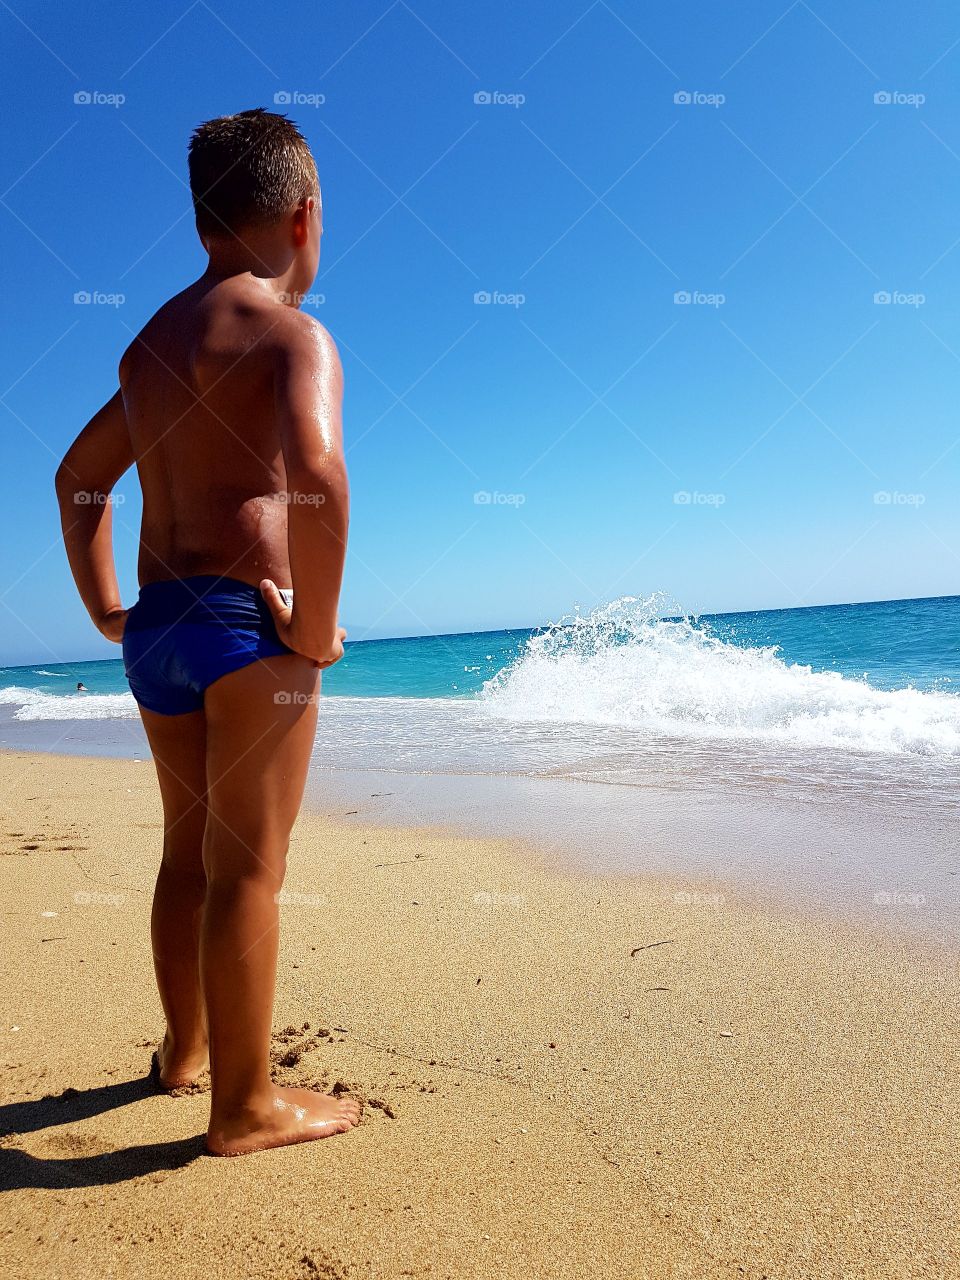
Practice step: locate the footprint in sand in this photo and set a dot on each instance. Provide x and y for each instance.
(289, 1047)
(40, 840)
(74, 1144)
(320, 1266)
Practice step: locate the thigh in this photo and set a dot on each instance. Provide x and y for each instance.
(178, 745)
(261, 722)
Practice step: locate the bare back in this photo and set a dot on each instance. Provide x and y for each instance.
(198, 394)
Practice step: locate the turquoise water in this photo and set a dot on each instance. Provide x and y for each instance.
(622, 693)
(891, 644)
(808, 751)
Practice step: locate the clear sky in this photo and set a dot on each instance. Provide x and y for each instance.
(782, 196)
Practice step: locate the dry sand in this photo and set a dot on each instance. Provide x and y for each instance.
(748, 1094)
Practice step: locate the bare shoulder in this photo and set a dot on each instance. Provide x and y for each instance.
(151, 336)
(297, 339)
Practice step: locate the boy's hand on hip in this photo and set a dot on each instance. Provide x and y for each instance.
(322, 653)
(112, 624)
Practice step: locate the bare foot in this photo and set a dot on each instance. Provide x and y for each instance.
(174, 1072)
(294, 1115)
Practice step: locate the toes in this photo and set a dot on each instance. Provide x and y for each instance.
(349, 1115)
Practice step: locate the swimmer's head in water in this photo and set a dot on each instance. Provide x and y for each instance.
(248, 170)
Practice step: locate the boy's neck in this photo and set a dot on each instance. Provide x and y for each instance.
(221, 268)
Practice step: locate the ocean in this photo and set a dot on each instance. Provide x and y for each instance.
(770, 743)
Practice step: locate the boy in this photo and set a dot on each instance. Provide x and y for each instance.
(229, 404)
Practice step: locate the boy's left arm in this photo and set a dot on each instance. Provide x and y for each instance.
(92, 466)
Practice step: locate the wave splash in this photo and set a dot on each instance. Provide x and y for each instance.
(33, 704)
(626, 664)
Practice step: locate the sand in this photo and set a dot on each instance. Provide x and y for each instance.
(564, 1075)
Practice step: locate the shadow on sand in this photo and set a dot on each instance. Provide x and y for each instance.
(20, 1169)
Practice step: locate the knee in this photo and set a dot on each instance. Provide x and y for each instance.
(183, 840)
(245, 851)
(186, 876)
(257, 866)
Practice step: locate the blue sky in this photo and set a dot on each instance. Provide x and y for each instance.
(584, 399)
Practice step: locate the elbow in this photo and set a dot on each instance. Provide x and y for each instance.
(71, 488)
(64, 481)
(326, 485)
(74, 488)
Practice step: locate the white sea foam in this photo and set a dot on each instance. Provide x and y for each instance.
(32, 704)
(624, 665)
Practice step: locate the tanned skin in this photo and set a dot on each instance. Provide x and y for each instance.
(230, 407)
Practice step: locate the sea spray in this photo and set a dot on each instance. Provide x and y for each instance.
(639, 664)
(33, 704)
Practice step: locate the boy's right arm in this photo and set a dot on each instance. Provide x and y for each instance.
(93, 464)
(308, 392)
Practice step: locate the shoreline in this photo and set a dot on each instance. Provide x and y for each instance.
(565, 1074)
(863, 850)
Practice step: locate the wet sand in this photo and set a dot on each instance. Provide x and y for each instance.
(564, 1074)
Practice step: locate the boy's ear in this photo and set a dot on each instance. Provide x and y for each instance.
(301, 221)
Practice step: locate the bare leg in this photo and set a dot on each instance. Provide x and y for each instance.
(178, 744)
(261, 722)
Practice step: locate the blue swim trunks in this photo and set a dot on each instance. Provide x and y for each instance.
(185, 633)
